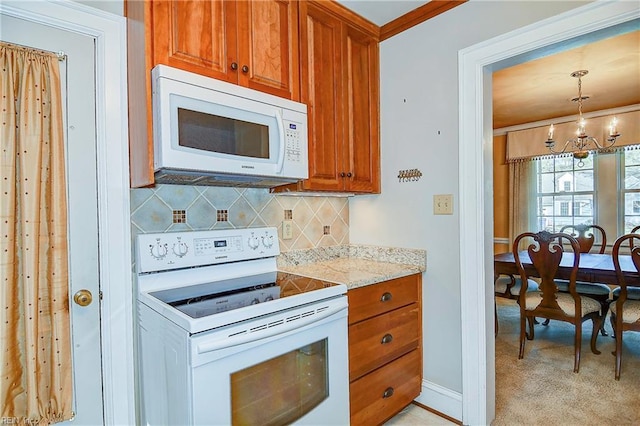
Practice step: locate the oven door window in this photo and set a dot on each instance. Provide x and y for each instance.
(281, 390)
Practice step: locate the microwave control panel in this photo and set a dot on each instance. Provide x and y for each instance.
(292, 141)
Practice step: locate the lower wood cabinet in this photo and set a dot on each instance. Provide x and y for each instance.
(385, 348)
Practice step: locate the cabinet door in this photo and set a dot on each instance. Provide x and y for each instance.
(197, 36)
(361, 62)
(322, 80)
(268, 47)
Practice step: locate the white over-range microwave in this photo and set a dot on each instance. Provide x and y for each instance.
(210, 132)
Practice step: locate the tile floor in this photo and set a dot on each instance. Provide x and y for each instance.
(414, 415)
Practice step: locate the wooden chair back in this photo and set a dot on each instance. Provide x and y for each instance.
(545, 253)
(635, 230)
(586, 236)
(619, 321)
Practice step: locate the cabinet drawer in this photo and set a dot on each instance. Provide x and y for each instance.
(376, 341)
(384, 392)
(366, 302)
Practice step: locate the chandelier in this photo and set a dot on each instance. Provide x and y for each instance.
(581, 142)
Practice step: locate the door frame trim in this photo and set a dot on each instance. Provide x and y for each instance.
(114, 237)
(476, 184)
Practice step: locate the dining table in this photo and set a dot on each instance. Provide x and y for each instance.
(592, 267)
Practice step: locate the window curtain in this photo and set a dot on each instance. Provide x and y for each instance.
(522, 199)
(35, 350)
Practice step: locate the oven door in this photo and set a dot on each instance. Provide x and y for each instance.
(289, 367)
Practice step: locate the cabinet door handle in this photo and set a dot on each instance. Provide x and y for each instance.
(349, 174)
(245, 69)
(387, 338)
(386, 297)
(342, 174)
(234, 66)
(388, 392)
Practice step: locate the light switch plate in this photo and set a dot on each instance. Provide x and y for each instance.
(287, 229)
(443, 204)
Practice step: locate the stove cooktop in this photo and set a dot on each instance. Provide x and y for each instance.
(204, 306)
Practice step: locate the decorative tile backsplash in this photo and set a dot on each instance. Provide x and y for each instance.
(167, 208)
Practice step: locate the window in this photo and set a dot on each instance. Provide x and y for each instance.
(631, 189)
(566, 193)
(561, 184)
(564, 208)
(577, 208)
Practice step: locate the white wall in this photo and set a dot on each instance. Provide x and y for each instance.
(113, 6)
(419, 129)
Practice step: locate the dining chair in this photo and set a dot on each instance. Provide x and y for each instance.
(587, 235)
(625, 310)
(545, 252)
(508, 287)
(633, 293)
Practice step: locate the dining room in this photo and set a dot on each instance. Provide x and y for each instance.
(547, 177)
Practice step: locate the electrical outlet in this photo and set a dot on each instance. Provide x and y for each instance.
(287, 229)
(443, 204)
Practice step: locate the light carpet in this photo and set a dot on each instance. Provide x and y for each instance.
(542, 389)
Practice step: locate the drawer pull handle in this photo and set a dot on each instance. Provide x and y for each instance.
(386, 339)
(386, 297)
(388, 393)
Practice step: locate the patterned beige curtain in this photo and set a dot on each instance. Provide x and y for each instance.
(521, 197)
(35, 351)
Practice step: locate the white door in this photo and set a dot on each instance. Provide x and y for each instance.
(78, 86)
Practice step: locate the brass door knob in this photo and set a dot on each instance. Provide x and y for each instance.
(83, 297)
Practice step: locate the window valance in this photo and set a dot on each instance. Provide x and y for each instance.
(529, 143)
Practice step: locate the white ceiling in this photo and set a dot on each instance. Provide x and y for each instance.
(542, 89)
(381, 12)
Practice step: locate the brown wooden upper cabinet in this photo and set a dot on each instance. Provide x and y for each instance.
(250, 43)
(339, 61)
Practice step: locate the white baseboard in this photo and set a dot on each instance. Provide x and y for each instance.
(441, 399)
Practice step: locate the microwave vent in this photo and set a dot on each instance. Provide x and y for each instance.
(182, 177)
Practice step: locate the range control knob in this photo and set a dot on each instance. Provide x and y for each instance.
(255, 301)
(267, 241)
(180, 248)
(158, 250)
(253, 242)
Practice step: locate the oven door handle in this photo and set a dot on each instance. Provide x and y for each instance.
(288, 324)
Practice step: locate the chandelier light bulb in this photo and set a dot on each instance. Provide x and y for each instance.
(613, 127)
(582, 128)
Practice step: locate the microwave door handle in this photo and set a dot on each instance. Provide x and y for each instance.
(282, 144)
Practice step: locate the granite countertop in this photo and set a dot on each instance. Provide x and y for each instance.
(354, 265)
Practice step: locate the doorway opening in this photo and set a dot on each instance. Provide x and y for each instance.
(476, 185)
